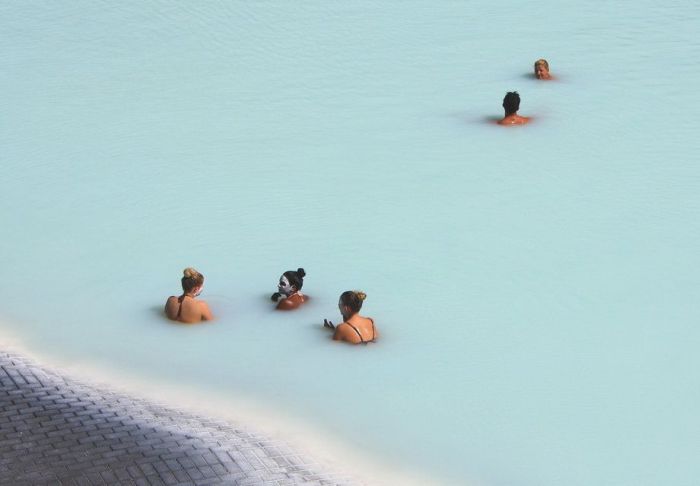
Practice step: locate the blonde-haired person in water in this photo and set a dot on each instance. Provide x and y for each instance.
(354, 329)
(542, 69)
(187, 308)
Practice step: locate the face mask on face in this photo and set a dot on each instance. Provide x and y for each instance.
(284, 286)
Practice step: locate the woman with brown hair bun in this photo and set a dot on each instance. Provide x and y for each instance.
(355, 329)
(288, 295)
(187, 308)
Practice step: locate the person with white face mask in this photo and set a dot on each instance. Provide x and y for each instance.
(288, 295)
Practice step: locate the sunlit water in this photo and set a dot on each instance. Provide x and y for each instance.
(536, 287)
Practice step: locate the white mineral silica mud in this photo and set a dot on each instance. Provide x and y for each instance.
(535, 287)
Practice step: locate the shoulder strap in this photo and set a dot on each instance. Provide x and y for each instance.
(356, 330)
(180, 299)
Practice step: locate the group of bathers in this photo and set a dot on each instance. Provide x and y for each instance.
(188, 309)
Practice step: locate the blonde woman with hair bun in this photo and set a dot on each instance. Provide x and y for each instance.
(186, 308)
(355, 329)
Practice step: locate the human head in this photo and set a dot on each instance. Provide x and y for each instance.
(291, 281)
(352, 300)
(511, 102)
(541, 69)
(191, 279)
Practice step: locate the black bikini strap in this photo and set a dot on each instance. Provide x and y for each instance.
(356, 330)
(180, 299)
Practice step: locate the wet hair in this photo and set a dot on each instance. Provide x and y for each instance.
(542, 61)
(296, 279)
(353, 299)
(511, 102)
(191, 279)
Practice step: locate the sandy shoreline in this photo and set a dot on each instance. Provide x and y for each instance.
(303, 437)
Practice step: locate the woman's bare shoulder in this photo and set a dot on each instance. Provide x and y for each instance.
(287, 304)
(341, 331)
(346, 332)
(170, 307)
(205, 310)
(291, 302)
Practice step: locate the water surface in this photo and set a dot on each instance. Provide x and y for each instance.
(535, 287)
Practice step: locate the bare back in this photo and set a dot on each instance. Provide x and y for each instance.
(514, 119)
(292, 302)
(356, 330)
(187, 309)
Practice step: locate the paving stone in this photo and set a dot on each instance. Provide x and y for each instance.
(147, 469)
(206, 482)
(56, 431)
(194, 473)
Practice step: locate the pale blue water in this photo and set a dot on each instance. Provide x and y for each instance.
(536, 287)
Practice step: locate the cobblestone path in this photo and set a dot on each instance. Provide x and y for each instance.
(55, 431)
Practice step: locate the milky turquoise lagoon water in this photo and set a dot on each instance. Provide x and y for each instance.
(536, 287)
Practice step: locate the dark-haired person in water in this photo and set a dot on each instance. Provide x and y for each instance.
(288, 295)
(355, 329)
(187, 308)
(542, 70)
(511, 105)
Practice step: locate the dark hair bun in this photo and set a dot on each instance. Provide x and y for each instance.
(301, 272)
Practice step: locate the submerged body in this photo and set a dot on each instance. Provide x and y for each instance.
(542, 70)
(355, 329)
(291, 302)
(514, 119)
(511, 105)
(186, 308)
(288, 295)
